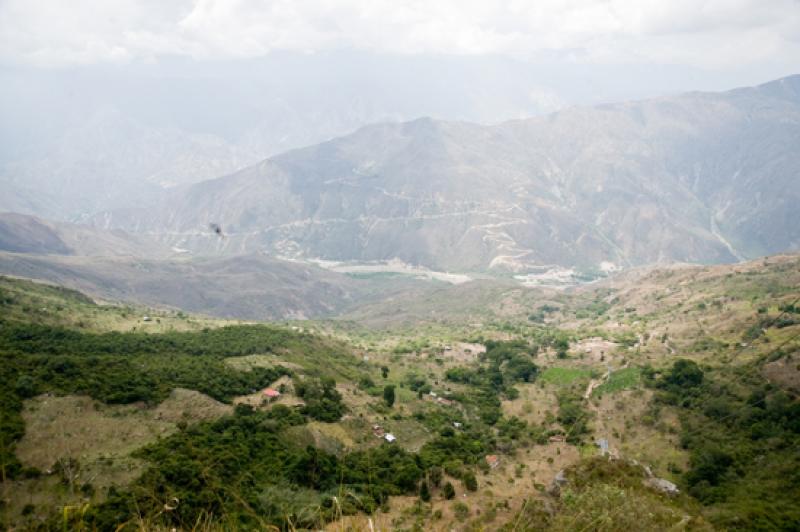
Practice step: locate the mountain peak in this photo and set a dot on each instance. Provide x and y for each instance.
(787, 88)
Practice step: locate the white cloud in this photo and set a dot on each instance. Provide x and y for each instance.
(707, 33)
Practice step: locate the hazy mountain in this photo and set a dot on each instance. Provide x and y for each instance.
(77, 141)
(20, 233)
(699, 177)
(111, 161)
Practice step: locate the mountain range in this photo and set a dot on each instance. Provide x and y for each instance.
(698, 177)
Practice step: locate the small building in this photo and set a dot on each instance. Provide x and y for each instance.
(146, 318)
(493, 460)
(271, 393)
(603, 445)
(457, 425)
(558, 438)
(390, 438)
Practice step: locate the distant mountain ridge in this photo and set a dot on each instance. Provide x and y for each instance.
(698, 177)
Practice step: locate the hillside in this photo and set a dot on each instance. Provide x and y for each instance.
(686, 373)
(254, 287)
(21, 233)
(698, 177)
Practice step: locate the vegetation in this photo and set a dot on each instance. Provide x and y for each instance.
(622, 379)
(504, 364)
(564, 376)
(230, 468)
(572, 416)
(129, 367)
(388, 395)
(707, 399)
(731, 421)
(606, 495)
(322, 401)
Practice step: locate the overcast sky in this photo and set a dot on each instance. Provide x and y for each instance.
(711, 34)
(276, 74)
(94, 87)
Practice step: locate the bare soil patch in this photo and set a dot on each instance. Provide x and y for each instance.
(784, 372)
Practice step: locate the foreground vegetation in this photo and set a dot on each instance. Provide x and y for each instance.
(690, 376)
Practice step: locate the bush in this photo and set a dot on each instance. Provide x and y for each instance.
(470, 482)
(323, 401)
(388, 395)
(435, 475)
(460, 510)
(424, 491)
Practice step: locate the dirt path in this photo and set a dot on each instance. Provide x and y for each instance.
(594, 383)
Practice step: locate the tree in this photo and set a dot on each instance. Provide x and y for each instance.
(388, 395)
(470, 482)
(384, 371)
(323, 401)
(684, 374)
(424, 491)
(448, 491)
(435, 475)
(561, 346)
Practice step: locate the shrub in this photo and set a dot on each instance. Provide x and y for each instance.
(424, 491)
(388, 395)
(470, 482)
(460, 510)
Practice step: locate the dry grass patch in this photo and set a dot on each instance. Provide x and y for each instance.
(624, 420)
(79, 427)
(532, 405)
(248, 362)
(190, 406)
(784, 372)
(330, 437)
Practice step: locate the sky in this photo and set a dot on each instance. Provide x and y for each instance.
(270, 75)
(708, 34)
(119, 91)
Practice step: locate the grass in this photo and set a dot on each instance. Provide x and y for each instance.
(623, 379)
(27, 301)
(100, 438)
(564, 376)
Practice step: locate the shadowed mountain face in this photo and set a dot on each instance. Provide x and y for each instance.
(21, 233)
(699, 177)
(251, 287)
(114, 265)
